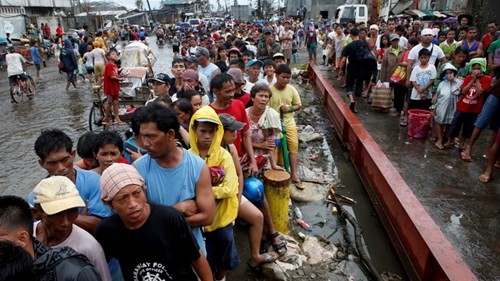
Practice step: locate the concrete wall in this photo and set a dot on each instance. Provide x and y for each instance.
(314, 7)
(17, 21)
(37, 3)
(241, 12)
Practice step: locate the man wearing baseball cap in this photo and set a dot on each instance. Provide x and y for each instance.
(161, 85)
(268, 46)
(56, 206)
(253, 70)
(147, 239)
(239, 82)
(426, 42)
(64, 263)
(206, 67)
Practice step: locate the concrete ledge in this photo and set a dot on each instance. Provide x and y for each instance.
(422, 247)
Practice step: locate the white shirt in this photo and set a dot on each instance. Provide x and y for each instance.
(437, 53)
(403, 42)
(84, 243)
(249, 85)
(422, 76)
(98, 55)
(14, 64)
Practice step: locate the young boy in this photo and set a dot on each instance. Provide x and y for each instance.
(422, 78)
(112, 88)
(450, 44)
(205, 135)
(37, 59)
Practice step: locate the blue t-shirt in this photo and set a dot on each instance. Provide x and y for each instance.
(34, 55)
(173, 185)
(88, 185)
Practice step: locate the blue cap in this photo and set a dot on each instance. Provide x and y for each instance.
(254, 61)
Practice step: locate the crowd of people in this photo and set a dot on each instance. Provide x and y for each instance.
(163, 201)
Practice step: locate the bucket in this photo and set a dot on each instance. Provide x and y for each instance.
(418, 123)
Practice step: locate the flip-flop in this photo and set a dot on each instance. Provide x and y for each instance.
(298, 185)
(465, 157)
(484, 178)
(268, 258)
(403, 122)
(439, 146)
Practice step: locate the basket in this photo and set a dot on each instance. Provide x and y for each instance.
(418, 123)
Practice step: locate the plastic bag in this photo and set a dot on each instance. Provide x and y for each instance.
(399, 75)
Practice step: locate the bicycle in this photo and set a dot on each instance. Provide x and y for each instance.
(18, 90)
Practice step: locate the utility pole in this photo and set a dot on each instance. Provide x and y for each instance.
(151, 12)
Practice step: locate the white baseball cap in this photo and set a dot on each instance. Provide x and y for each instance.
(57, 194)
(427, 31)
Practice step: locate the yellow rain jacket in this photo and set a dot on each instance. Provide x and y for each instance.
(225, 193)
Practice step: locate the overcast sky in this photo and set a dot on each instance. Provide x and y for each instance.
(156, 3)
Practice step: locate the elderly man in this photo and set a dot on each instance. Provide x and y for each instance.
(56, 206)
(147, 239)
(16, 226)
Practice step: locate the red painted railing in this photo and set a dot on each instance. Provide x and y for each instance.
(423, 249)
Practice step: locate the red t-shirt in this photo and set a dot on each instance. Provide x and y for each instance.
(487, 39)
(111, 87)
(245, 98)
(470, 102)
(237, 110)
(59, 31)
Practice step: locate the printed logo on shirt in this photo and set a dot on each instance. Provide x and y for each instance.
(471, 97)
(151, 271)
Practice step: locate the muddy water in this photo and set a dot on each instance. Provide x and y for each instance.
(52, 107)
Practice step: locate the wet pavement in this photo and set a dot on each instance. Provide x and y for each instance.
(466, 210)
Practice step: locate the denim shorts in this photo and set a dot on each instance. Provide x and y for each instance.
(490, 114)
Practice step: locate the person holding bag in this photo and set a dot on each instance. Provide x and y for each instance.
(394, 73)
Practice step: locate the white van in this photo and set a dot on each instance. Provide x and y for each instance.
(356, 13)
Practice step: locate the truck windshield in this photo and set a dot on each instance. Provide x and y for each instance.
(348, 13)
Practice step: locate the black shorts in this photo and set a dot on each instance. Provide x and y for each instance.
(90, 69)
(176, 49)
(37, 65)
(13, 78)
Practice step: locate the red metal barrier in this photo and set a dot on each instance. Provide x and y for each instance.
(422, 247)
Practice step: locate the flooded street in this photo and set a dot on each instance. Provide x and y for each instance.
(52, 107)
(466, 210)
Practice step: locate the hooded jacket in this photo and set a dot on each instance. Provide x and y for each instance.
(68, 56)
(62, 264)
(226, 192)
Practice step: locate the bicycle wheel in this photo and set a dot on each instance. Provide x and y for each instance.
(31, 91)
(16, 93)
(96, 116)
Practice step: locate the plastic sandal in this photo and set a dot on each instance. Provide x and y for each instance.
(280, 247)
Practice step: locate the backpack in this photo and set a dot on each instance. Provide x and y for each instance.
(363, 53)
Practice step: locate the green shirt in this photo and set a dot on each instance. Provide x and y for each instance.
(448, 49)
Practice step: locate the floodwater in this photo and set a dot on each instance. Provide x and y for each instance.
(53, 107)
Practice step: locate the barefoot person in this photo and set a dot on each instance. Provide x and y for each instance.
(112, 88)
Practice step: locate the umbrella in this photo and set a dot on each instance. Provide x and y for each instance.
(450, 20)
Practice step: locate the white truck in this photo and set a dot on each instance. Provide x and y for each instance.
(352, 12)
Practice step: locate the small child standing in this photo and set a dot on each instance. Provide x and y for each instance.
(422, 78)
(112, 88)
(37, 59)
(82, 70)
(446, 101)
(475, 86)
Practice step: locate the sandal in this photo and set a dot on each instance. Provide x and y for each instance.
(465, 157)
(268, 258)
(298, 185)
(439, 145)
(484, 178)
(279, 247)
(403, 122)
